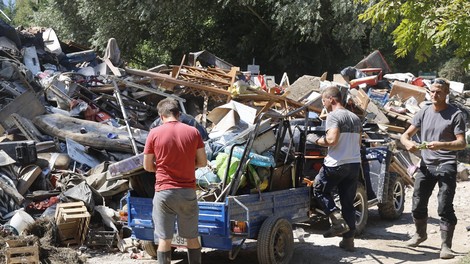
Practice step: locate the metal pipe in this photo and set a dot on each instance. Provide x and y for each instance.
(117, 94)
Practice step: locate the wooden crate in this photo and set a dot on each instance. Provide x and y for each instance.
(20, 252)
(72, 221)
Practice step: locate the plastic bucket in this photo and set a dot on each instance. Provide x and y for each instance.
(20, 221)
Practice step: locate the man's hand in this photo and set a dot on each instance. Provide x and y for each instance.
(313, 138)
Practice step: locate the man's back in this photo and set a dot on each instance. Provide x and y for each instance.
(174, 145)
(348, 149)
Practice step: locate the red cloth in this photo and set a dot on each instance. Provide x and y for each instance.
(174, 145)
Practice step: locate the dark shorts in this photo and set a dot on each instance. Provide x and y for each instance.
(178, 205)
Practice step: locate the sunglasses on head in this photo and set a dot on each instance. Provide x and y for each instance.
(440, 81)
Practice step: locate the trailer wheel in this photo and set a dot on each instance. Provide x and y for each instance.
(393, 207)
(275, 241)
(150, 248)
(362, 208)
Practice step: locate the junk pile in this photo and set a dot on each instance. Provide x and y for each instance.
(74, 124)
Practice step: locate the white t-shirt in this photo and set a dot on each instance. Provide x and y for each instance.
(348, 149)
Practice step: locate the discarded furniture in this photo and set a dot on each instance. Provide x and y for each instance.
(72, 221)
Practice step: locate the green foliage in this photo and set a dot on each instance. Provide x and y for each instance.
(8, 8)
(296, 36)
(24, 13)
(424, 26)
(453, 70)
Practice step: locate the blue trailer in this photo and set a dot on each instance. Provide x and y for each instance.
(266, 217)
(226, 222)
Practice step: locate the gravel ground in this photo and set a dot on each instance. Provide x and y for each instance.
(382, 242)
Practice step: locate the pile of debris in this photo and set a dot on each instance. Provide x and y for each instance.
(74, 125)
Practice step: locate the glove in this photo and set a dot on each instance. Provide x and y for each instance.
(312, 138)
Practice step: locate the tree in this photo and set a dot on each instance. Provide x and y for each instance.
(423, 26)
(298, 37)
(7, 10)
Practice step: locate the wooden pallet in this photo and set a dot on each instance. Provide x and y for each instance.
(72, 221)
(17, 252)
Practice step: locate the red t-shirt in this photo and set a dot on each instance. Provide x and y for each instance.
(174, 145)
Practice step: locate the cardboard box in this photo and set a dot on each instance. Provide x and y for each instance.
(406, 90)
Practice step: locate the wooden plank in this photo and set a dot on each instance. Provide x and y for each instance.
(28, 175)
(395, 166)
(393, 128)
(281, 99)
(168, 79)
(12, 192)
(67, 205)
(113, 68)
(397, 116)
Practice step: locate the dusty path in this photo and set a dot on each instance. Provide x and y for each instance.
(381, 242)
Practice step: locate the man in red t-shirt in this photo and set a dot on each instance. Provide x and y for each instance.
(173, 151)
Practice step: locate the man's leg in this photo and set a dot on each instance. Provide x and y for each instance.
(164, 225)
(423, 186)
(325, 181)
(188, 216)
(194, 251)
(164, 251)
(445, 198)
(347, 192)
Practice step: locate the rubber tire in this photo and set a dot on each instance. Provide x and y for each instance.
(362, 208)
(393, 208)
(275, 241)
(150, 248)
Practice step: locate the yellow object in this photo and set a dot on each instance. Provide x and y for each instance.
(423, 145)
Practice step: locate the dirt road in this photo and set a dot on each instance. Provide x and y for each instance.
(381, 242)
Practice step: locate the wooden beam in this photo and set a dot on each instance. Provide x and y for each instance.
(168, 79)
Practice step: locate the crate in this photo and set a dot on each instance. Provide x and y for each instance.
(102, 238)
(72, 221)
(19, 252)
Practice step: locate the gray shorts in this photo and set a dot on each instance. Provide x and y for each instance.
(178, 205)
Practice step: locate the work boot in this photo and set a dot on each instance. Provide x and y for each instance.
(447, 233)
(420, 235)
(347, 244)
(164, 257)
(338, 225)
(194, 255)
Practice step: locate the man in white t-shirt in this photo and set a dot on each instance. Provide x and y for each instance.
(341, 166)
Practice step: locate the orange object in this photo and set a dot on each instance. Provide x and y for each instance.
(308, 182)
(369, 80)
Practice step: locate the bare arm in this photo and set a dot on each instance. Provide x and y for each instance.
(201, 158)
(457, 144)
(149, 164)
(331, 138)
(405, 139)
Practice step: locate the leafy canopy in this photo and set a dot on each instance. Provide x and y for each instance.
(423, 26)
